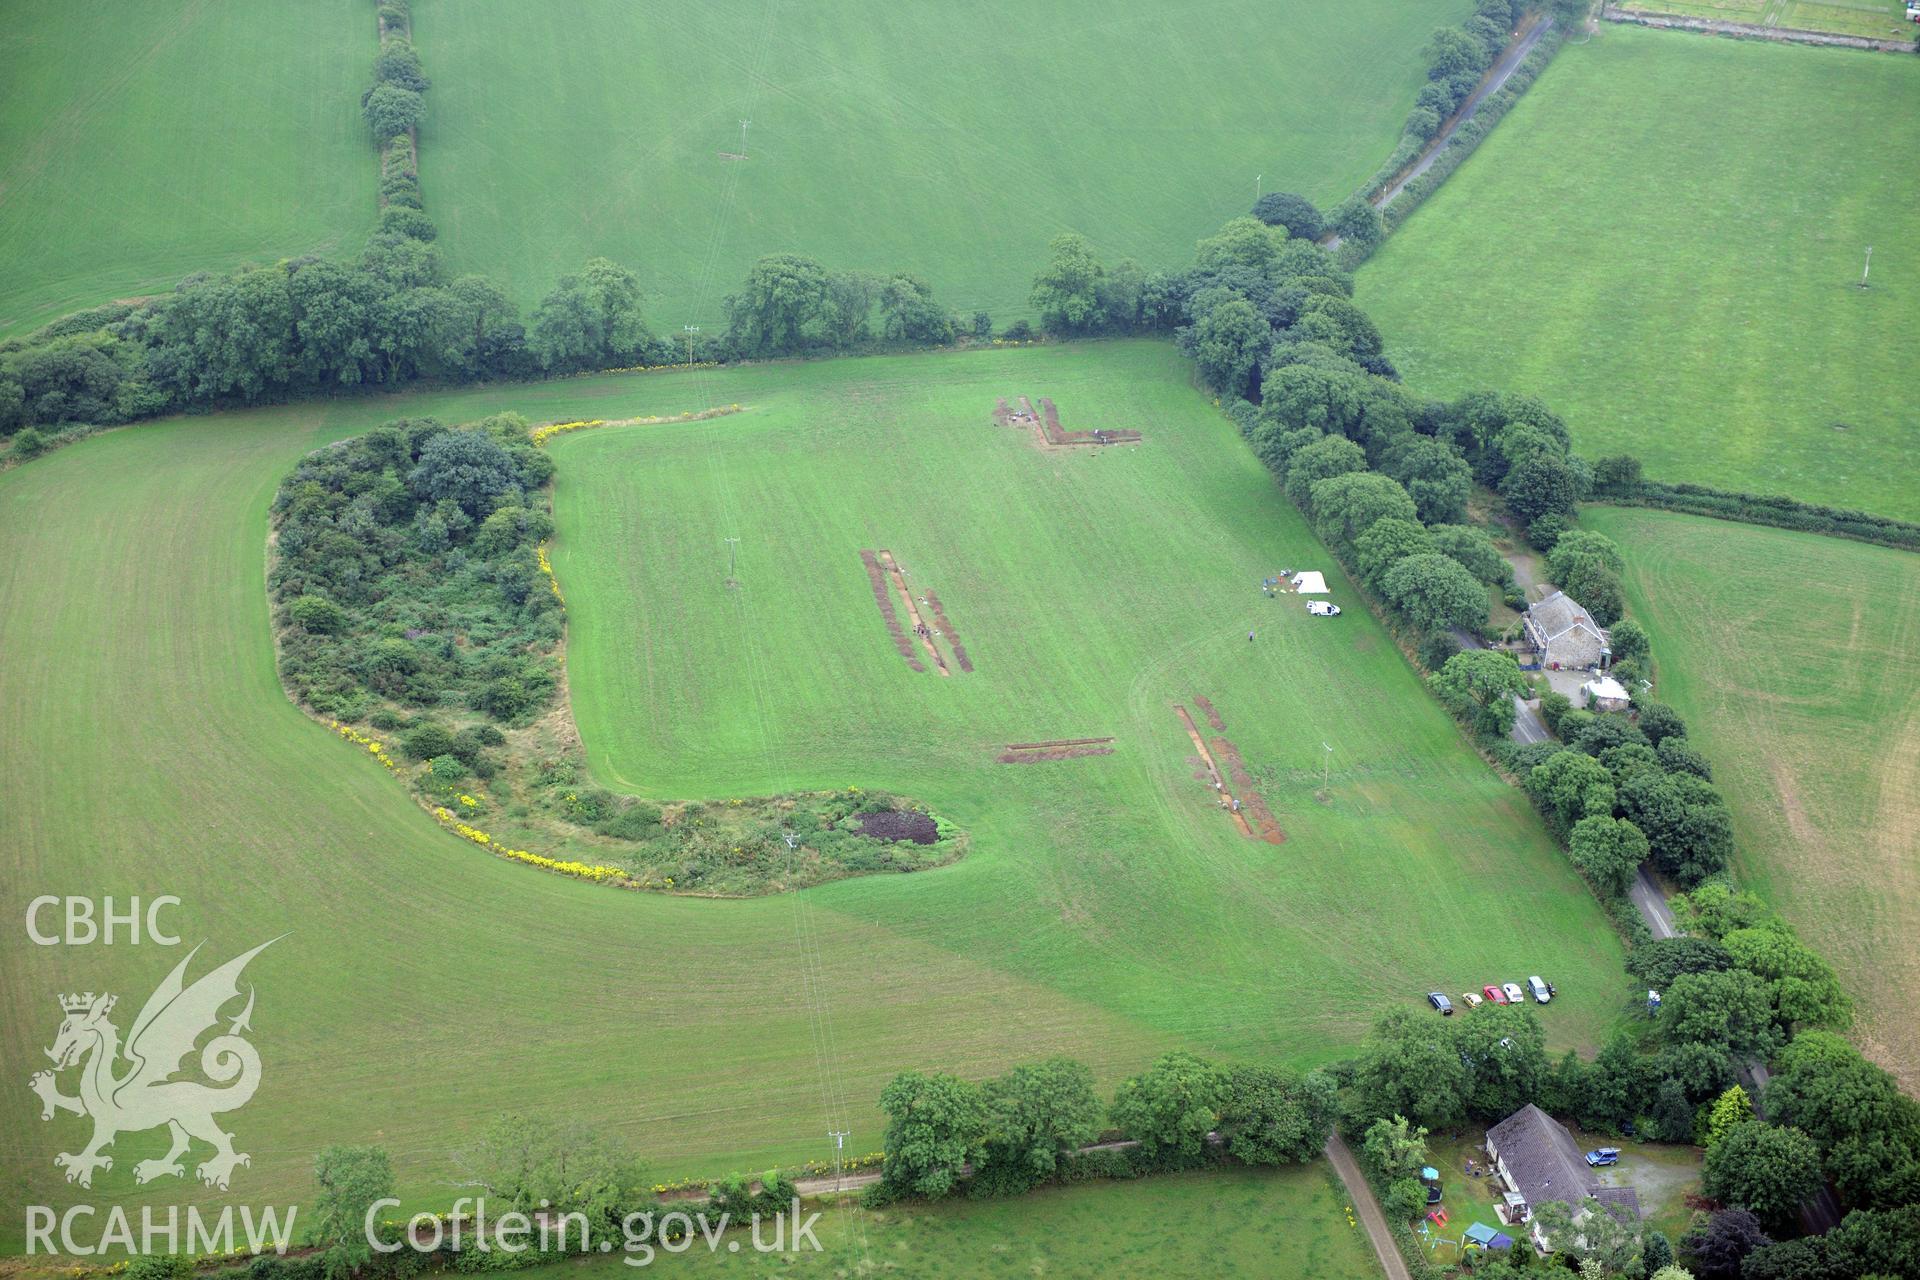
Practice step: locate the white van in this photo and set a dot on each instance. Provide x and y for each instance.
(1539, 989)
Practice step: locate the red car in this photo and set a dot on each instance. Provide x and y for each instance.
(1495, 994)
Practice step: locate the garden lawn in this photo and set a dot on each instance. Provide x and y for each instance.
(143, 140)
(951, 141)
(1791, 657)
(1106, 909)
(1224, 1222)
(1663, 240)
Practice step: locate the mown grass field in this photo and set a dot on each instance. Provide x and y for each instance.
(1224, 1222)
(142, 140)
(1791, 656)
(1106, 910)
(948, 140)
(1678, 291)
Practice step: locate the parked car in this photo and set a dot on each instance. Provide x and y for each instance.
(1471, 999)
(1321, 609)
(1494, 993)
(1603, 1156)
(1440, 1002)
(1514, 994)
(1541, 991)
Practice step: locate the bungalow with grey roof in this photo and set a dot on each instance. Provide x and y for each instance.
(1540, 1162)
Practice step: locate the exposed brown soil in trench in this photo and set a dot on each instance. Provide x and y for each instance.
(945, 628)
(883, 596)
(1057, 749)
(1221, 753)
(1047, 432)
(920, 628)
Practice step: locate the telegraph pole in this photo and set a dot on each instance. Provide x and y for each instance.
(1326, 765)
(1256, 186)
(1866, 267)
(743, 138)
(689, 330)
(732, 543)
(839, 1137)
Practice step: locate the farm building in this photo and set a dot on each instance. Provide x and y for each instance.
(1606, 694)
(1540, 1162)
(1565, 635)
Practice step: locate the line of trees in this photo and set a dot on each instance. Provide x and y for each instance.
(1035, 1125)
(1384, 475)
(1616, 792)
(311, 326)
(395, 103)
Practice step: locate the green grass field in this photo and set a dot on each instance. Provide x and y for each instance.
(948, 140)
(1106, 909)
(142, 140)
(1630, 245)
(1791, 657)
(1224, 1222)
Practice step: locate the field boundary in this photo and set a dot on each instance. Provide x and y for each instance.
(1768, 512)
(1749, 31)
(1417, 171)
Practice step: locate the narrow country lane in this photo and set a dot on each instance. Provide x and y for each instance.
(1368, 1208)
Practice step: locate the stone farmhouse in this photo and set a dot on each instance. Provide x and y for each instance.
(1564, 635)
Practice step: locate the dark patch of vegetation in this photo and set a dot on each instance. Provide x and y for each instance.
(899, 824)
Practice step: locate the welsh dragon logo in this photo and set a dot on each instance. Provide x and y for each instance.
(144, 1094)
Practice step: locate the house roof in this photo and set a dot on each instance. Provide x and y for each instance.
(1559, 614)
(1546, 1164)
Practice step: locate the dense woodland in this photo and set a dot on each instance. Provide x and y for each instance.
(407, 572)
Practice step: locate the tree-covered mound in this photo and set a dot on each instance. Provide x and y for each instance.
(409, 574)
(412, 596)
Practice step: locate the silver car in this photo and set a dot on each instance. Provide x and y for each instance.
(1538, 986)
